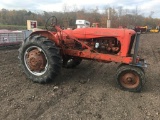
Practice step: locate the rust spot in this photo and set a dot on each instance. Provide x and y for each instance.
(129, 80)
(36, 60)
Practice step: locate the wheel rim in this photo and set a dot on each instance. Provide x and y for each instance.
(129, 80)
(35, 60)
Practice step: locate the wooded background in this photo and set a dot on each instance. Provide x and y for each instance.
(67, 18)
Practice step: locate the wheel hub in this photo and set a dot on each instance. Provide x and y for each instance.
(129, 80)
(36, 60)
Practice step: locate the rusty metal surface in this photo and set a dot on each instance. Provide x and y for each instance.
(129, 80)
(36, 60)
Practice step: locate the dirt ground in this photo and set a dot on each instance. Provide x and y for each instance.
(88, 92)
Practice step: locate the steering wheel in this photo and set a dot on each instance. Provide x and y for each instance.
(51, 23)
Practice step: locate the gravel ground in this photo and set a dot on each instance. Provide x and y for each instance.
(88, 92)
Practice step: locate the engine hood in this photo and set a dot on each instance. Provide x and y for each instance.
(88, 33)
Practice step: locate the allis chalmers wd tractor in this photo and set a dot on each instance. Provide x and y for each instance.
(43, 53)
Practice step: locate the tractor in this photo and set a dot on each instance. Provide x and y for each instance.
(45, 52)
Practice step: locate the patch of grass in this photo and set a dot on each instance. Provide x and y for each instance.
(15, 27)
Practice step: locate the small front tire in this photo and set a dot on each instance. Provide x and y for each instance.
(71, 62)
(130, 78)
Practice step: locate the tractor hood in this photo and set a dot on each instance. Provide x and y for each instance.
(88, 33)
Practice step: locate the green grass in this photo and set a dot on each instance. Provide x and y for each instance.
(15, 27)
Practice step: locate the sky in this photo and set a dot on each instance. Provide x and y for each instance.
(144, 6)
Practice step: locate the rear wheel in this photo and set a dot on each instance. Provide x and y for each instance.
(130, 78)
(40, 59)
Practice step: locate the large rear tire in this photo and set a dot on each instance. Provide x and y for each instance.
(130, 78)
(40, 59)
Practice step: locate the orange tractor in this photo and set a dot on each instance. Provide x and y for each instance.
(43, 53)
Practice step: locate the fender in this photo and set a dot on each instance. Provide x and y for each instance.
(47, 34)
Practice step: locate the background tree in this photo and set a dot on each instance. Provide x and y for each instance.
(119, 16)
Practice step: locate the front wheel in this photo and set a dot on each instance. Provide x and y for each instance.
(71, 62)
(40, 59)
(130, 78)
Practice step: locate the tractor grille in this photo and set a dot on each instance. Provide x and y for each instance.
(131, 44)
